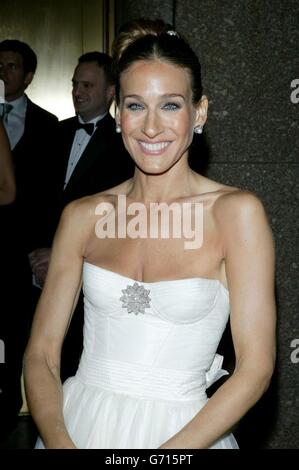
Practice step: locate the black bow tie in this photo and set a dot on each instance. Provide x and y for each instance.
(88, 127)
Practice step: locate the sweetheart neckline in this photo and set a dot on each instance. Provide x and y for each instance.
(205, 279)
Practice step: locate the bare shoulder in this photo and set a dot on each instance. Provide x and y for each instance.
(241, 219)
(77, 220)
(89, 208)
(75, 211)
(237, 203)
(85, 208)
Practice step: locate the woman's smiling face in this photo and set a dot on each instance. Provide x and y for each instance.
(156, 114)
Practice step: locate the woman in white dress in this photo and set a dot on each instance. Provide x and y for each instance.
(156, 302)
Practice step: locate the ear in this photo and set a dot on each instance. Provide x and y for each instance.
(110, 92)
(201, 111)
(28, 78)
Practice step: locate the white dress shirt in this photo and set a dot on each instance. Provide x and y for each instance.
(80, 142)
(14, 122)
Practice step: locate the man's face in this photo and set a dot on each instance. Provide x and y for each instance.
(12, 74)
(91, 94)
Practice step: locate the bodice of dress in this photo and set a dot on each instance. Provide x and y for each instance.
(168, 352)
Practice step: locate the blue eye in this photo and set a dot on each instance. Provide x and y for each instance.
(171, 106)
(134, 106)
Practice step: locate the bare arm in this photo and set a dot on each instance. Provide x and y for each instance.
(52, 317)
(7, 179)
(248, 250)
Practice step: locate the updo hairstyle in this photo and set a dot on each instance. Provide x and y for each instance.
(145, 40)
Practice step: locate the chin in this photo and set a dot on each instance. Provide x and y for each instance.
(79, 109)
(152, 169)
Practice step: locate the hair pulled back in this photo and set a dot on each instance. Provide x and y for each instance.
(143, 40)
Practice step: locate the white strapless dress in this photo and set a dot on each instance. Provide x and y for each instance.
(143, 376)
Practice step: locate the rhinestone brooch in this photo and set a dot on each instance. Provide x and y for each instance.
(135, 298)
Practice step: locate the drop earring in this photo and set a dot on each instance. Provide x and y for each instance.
(118, 129)
(198, 129)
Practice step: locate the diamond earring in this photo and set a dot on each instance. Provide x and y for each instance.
(170, 32)
(198, 129)
(118, 129)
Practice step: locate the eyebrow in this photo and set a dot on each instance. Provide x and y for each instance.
(9, 63)
(167, 95)
(80, 81)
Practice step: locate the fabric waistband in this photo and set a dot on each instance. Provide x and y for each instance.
(142, 381)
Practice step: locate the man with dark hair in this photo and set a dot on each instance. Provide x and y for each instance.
(92, 158)
(25, 51)
(103, 61)
(30, 130)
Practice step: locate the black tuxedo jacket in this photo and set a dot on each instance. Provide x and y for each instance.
(23, 228)
(103, 164)
(33, 161)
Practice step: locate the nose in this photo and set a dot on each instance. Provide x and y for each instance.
(152, 125)
(3, 71)
(77, 89)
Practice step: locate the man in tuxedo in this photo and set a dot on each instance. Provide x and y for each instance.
(30, 130)
(92, 158)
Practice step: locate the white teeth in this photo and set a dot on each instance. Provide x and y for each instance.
(154, 147)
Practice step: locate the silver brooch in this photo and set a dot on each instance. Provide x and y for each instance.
(136, 298)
